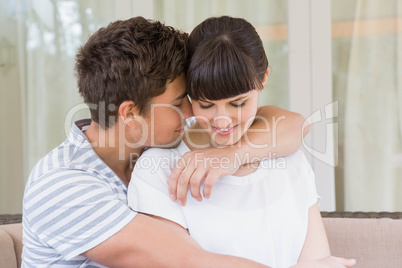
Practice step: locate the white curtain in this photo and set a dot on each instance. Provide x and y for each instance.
(40, 89)
(372, 148)
(11, 115)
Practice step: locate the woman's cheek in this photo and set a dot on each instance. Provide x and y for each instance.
(248, 115)
(203, 121)
(201, 115)
(248, 118)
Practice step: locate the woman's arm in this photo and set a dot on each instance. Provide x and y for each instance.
(316, 244)
(315, 251)
(275, 132)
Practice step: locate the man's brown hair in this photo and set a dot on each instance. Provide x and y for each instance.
(128, 60)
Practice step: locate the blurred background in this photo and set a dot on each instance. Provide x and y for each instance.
(338, 62)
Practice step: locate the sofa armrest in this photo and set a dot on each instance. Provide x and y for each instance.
(10, 240)
(10, 218)
(8, 258)
(14, 231)
(373, 239)
(361, 215)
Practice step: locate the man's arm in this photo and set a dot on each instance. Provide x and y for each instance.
(274, 133)
(151, 242)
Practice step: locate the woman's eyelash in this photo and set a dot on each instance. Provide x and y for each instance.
(238, 105)
(205, 106)
(233, 104)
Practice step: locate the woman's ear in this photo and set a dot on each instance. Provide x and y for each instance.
(127, 112)
(265, 77)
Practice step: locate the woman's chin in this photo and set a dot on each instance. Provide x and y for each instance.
(220, 142)
(226, 140)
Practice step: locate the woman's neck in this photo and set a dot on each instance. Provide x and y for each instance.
(197, 137)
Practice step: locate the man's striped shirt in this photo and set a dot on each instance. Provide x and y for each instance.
(73, 202)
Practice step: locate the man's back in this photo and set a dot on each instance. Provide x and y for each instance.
(73, 201)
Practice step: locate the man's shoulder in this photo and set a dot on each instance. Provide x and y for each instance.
(60, 156)
(64, 161)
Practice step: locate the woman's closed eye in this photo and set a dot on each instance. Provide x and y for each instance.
(238, 105)
(206, 106)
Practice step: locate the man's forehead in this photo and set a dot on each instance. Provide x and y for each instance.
(171, 94)
(181, 96)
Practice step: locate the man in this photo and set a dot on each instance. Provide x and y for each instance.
(75, 213)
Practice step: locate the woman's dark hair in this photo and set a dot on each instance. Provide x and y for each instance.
(128, 60)
(227, 58)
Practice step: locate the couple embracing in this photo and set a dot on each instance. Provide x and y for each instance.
(88, 203)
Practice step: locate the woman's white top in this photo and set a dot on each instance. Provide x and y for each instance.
(262, 216)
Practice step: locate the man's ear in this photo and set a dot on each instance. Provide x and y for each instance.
(265, 77)
(127, 112)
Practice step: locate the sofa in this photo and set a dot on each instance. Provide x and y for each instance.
(373, 239)
(10, 241)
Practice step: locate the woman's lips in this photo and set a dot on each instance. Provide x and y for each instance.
(224, 132)
(180, 130)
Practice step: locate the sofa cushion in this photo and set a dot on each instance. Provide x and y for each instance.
(372, 242)
(7, 256)
(14, 233)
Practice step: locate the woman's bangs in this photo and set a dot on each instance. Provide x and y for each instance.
(223, 72)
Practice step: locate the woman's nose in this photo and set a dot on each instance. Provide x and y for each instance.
(222, 121)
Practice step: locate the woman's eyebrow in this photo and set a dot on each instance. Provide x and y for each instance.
(240, 98)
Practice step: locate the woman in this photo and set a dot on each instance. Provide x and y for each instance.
(267, 211)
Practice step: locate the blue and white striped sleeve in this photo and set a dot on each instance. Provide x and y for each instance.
(73, 211)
